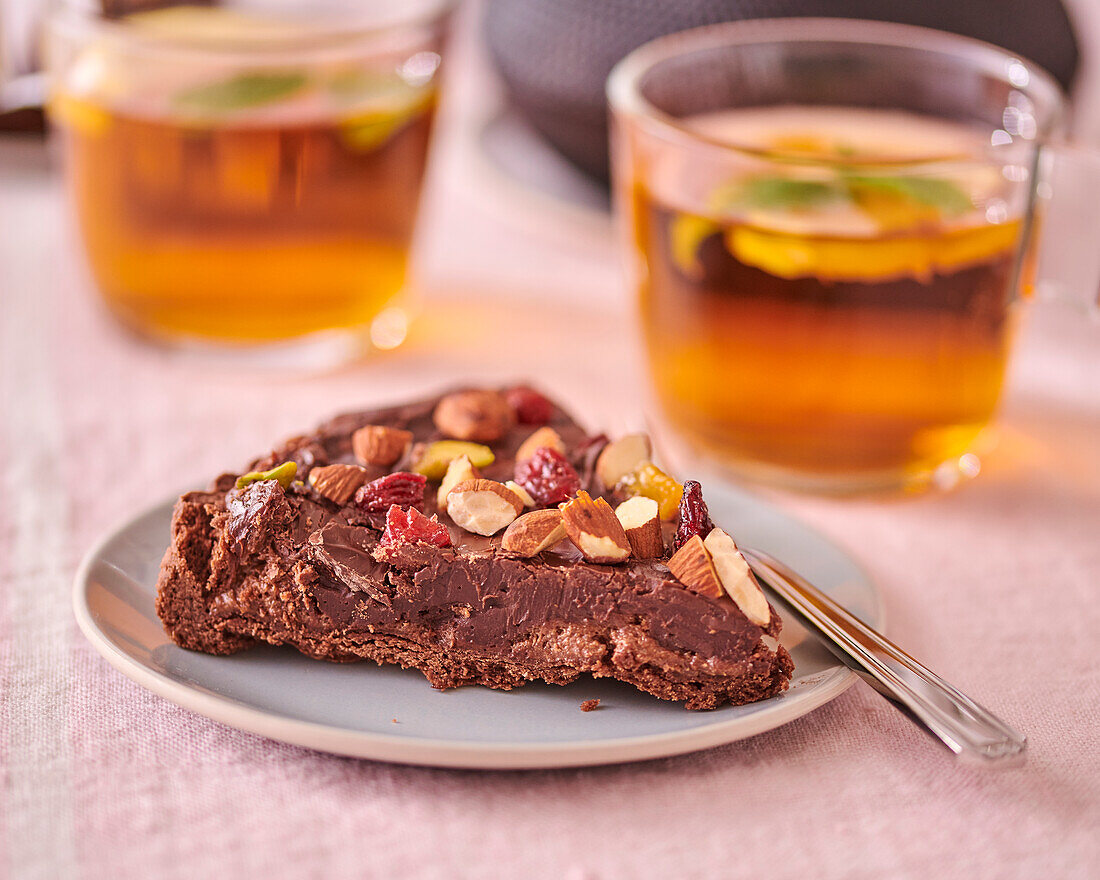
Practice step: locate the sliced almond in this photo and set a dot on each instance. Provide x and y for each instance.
(380, 445)
(524, 495)
(641, 521)
(460, 470)
(483, 507)
(592, 525)
(533, 532)
(542, 437)
(338, 482)
(482, 416)
(694, 568)
(736, 577)
(621, 457)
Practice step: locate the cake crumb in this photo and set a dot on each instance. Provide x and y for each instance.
(590, 705)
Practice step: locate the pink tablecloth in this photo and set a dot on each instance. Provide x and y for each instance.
(995, 586)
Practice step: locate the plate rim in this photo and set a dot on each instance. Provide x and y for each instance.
(438, 752)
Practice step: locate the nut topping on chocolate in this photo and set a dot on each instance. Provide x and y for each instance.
(433, 459)
(459, 470)
(533, 532)
(592, 525)
(544, 436)
(337, 482)
(482, 416)
(621, 457)
(380, 445)
(642, 524)
(736, 577)
(523, 494)
(694, 568)
(483, 507)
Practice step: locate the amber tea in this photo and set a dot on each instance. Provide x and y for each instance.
(246, 205)
(825, 320)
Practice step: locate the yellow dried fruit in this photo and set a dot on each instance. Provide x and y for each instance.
(652, 482)
(434, 459)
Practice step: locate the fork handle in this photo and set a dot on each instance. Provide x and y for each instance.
(965, 727)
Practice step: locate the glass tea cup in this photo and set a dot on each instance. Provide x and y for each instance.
(247, 175)
(831, 226)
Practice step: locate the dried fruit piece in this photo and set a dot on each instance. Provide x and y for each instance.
(531, 407)
(523, 494)
(433, 460)
(483, 507)
(533, 532)
(410, 526)
(400, 488)
(737, 578)
(642, 524)
(650, 481)
(694, 515)
(591, 524)
(337, 482)
(483, 416)
(283, 473)
(548, 477)
(694, 568)
(621, 457)
(379, 444)
(458, 471)
(542, 437)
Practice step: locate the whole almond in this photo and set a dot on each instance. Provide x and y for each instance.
(483, 507)
(592, 526)
(482, 416)
(338, 482)
(533, 532)
(693, 567)
(380, 445)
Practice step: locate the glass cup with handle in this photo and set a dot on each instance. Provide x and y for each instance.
(831, 226)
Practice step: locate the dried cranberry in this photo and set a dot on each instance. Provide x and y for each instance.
(694, 516)
(400, 488)
(410, 526)
(531, 407)
(548, 477)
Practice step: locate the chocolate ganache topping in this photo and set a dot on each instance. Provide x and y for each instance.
(289, 566)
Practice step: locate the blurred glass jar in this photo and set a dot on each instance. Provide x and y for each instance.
(248, 174)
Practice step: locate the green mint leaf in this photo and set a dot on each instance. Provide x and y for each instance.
(783, 192)
(241, 92)
(935, 192)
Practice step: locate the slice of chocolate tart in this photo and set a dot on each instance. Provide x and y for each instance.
(481, 537)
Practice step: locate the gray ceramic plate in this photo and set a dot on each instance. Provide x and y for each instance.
(391, 714)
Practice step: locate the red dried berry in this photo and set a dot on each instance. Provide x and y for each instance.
(548, 477)
(410, 526)
(531, 407)
(400, 488)
(694, 516)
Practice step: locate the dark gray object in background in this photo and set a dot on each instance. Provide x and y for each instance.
(554, 55)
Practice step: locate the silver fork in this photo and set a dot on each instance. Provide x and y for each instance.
(966, 728)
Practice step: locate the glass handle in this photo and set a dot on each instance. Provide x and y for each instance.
(1067, 194)
(967, 728)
